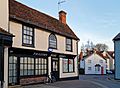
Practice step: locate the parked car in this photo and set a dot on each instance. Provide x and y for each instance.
(109, 72)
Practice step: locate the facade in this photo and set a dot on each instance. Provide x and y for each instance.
(93, 63)
(109, 56)
(42, 45)
(5, 43)
(4, 15)
(117, 56)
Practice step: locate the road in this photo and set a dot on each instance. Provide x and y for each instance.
(106, 81)
(85, 81)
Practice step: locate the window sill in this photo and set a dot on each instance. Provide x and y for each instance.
(53, 48)
(69, 72)
(69, 50)
(28, 45)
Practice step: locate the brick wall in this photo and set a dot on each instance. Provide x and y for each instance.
(25, 81)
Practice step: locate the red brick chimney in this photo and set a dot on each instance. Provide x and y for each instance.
(62, 17)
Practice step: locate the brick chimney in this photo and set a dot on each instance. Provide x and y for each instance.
(62, 17)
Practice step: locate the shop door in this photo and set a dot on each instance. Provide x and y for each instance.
(55, 68)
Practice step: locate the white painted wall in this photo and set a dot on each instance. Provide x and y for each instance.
(4, 14)
(82, 64)
(108, 63)
(95, 59)
(117, 59)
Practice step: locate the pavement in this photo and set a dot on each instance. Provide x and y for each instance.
(66, 84)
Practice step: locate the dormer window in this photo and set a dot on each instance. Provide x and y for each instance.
(52, 41)
(27, 36)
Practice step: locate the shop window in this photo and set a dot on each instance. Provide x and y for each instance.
(28, 36)
(26, 66)
(12, 70)
(40, 66)
(68, 44)
(68, 65)
(52, 41)
(33, 66)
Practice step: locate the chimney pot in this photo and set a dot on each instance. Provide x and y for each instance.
(62, 17)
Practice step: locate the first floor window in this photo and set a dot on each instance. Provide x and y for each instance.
(68, 44)
(68, 65)
(89, 61)
(101, 61)
(89, 68)
(28, 36)
(52, 41)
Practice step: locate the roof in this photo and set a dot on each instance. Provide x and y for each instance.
(111, 53)
(23, 13)
(96, 52)
(81, 56)
(2, 31)
(117, 37)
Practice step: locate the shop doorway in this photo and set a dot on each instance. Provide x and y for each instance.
(55, 68)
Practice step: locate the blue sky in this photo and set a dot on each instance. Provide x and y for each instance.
(94, 20)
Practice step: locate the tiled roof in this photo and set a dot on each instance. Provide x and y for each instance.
(81, 56)
(111, 53)
(23, 13)
(117, 37)
(95, 52)
(2, 31)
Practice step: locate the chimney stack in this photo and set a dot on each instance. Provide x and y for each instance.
(62, 17)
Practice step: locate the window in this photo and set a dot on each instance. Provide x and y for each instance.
(89, 68)
(52, 41)
(68, 44)
(68, 65)
(28, 36)
(12, 70)
(97, 67)
(101, 61)
(40, 66)
(33, 66)
(89, 61)
(26, 66)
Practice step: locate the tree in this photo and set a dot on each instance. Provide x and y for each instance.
(101, 47)
(88, 46)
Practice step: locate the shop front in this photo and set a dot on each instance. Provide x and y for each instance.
(64, 66)
(27, 66)
(31, 66)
